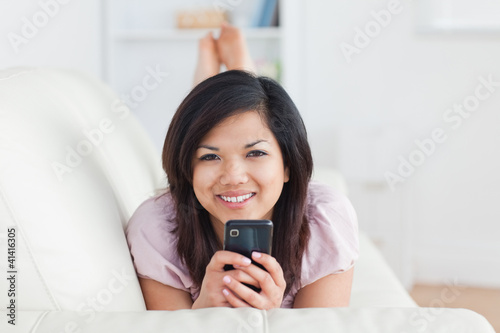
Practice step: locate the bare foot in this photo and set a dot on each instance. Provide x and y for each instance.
(208, 59)
(232, 49)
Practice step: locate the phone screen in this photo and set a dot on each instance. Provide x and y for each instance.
(246, 236)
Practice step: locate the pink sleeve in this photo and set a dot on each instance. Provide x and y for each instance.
(333, 247)
(152, 245)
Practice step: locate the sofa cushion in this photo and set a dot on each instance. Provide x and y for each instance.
(397, 320)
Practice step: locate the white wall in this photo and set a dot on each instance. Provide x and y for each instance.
(441, 224)
(60, 33)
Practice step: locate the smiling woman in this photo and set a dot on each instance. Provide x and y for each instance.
(237, 149)
(241, 178)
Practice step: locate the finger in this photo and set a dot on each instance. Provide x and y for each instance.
(265, 281)
(245, 293)
(222, 258)
(242, 276)
(273, 268)
(233, 300)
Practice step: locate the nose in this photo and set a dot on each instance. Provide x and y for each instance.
(233, 173)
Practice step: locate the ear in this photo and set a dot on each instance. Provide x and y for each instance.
(286, 178)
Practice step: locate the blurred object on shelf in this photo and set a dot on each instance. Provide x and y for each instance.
(266, 14)
(269, 15)
(251, 14)
(244, 14)
(200, 18)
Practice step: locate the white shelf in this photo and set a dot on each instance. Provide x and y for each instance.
(458, 28)
(188, 34)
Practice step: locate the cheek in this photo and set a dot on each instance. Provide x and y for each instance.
(198, 181)
(203, 178)
(272, 175)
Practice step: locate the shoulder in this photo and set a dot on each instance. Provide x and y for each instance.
(156, 213)
(150, 229)
(333, 244)
(153, 243)
(153, 221)
(325, 204)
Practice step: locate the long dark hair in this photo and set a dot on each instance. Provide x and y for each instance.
(209, 103)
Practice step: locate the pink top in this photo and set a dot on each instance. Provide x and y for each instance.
(333, 245)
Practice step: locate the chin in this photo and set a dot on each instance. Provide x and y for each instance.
(240, 217)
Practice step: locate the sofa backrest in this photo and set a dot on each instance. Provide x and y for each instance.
(74, 165)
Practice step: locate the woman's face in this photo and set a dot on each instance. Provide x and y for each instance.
(238, 170)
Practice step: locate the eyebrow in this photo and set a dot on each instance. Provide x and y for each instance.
(255, 143)
(249, 145)
(208, 147)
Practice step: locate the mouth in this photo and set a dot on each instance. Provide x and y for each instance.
(236, 199)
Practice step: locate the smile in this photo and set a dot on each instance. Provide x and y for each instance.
(240, 198)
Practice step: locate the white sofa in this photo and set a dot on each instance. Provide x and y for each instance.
(74, 165)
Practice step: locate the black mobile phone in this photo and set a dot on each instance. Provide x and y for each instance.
(246, 236)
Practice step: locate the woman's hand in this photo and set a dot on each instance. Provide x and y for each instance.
(211, 292)
(272, 283)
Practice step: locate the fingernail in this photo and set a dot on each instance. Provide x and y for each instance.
(256, 254)
(225, 292)
(247, 261)
(226, 279)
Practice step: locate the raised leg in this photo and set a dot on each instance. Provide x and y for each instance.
(233, 50)
(208, 59)
(229, 49)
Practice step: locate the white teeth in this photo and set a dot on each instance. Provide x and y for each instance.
(240, 198)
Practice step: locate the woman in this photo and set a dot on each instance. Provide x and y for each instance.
(237, 149)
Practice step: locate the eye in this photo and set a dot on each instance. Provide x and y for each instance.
(209, 157)
(256, 153)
